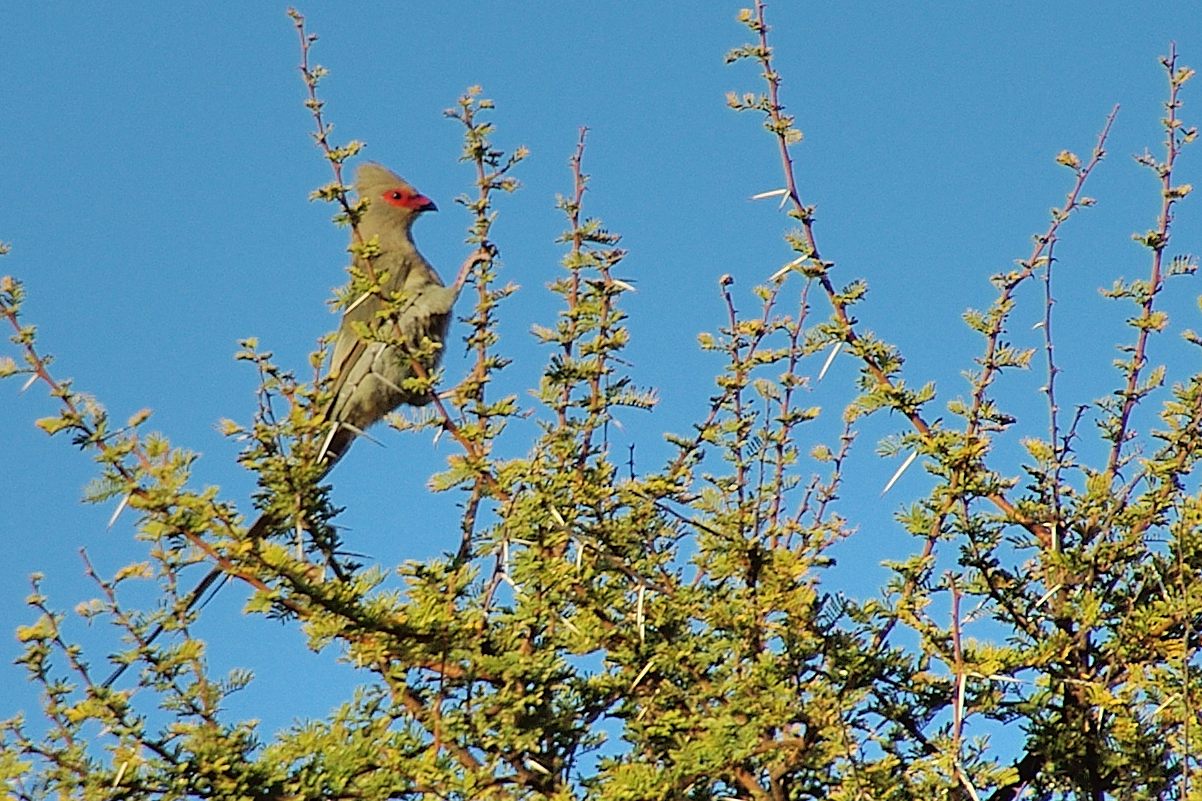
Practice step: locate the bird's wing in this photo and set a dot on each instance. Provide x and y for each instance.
(425, 313)
(348, 347)
(424, 304)
(423, 316)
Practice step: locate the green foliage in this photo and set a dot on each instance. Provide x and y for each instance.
(600, 633)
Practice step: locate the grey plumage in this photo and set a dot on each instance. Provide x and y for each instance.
(368, 376)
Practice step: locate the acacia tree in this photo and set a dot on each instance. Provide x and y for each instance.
(672, 634)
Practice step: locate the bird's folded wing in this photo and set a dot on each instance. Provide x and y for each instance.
(349, 347)
(422, 307)
(420, 318)
(425, 311)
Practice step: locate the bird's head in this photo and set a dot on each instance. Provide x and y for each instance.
(392, 202)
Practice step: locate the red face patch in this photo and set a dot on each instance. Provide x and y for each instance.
(405, 198)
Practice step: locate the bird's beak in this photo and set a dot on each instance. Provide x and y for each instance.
(423, 203)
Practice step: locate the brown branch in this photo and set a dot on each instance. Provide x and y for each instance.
(1158, 242)
(418, 710)
(749, 783)
(780, 126)
(312, 76)
(1040, 254)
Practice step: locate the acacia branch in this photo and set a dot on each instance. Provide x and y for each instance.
(1157, 240)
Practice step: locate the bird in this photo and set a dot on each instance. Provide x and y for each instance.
(367, 377)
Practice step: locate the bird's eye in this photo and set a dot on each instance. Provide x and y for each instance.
(398, 197)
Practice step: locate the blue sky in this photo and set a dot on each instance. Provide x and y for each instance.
(157, 163)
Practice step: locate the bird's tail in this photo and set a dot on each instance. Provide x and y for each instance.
(216, 575)
(339, 441)
(208, 586)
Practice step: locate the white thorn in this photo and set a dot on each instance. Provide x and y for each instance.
(830, 358)
(120, 508)
(360, 299)
(325, 445)
(388, 383)
(642, 673)
(1047, 595)
(788, 268)
(32, 378)
(640, 617)
(904, 465)
(571, 626)
(535, 766)
(771, 193)
(618, 282)
(1001, 678)
(972, 791)
(359, 432)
